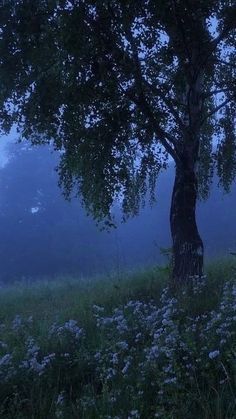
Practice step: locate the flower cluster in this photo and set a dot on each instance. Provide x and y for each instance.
(149, 355)
(157, 349)
(29, 356)
(32, 362)
(69, 328)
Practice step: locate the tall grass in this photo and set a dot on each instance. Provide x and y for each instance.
(120, 347)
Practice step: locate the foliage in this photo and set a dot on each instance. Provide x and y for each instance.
(112, 83)
(174, 355)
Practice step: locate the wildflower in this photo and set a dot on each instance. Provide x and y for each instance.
(126, 367)
(171, 380)
(138, 337)
(122, 345)
(3, 345)
(134, 414)
(60, 399)
(214, 354)
(97, 356)
(153, 353)
(115, 358)
(17, 323)
(5, 360)
(32, 348)
(166, 322)
(111, 372)
(70, 327)
(66, 355)
(98, 309)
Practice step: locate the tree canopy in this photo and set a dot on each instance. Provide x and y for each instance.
(120, 86)
(106, 81)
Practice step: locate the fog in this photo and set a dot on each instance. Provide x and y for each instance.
(43, 235)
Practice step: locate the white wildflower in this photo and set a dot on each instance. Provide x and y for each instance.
(126, 367)
(214, 354)
(17, 322)
(5, 360)
(60, 398)
(134, 414)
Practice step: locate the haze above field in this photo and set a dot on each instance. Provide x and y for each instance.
(44, 235)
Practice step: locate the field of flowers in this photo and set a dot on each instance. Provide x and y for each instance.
(135, 353)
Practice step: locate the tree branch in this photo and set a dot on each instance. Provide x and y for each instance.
(217, 108)
(214, 92)
(141, 81)
(225, 31)
(214, 43)
(164, 137)
(167, 102)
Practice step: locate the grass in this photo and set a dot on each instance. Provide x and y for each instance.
(73, 297)
(119, 347)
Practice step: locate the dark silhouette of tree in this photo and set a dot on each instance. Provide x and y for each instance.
(119, 87)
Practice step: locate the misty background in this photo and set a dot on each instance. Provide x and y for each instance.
(43, 235)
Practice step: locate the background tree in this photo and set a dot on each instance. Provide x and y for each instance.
(119, 86)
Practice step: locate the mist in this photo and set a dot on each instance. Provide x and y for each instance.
(43, 235)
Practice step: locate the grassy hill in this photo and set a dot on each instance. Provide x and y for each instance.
(120, 347)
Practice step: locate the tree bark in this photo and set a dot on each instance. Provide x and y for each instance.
(187, 244)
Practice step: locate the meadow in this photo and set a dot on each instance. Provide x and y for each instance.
(120, 347)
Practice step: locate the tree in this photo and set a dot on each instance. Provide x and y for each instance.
(119, 87)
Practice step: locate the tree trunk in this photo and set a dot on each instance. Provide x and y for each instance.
(187, 243)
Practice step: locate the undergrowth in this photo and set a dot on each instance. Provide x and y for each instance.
(120, 348)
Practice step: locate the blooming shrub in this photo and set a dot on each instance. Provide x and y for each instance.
(153, 356)
(165, 360)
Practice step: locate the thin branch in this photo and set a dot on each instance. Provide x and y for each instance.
(138, 70)
(140, 81)
(213, 45)
(217, 108)
(214, 92)
(164, 137)
(168, 102)
(215, 42)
